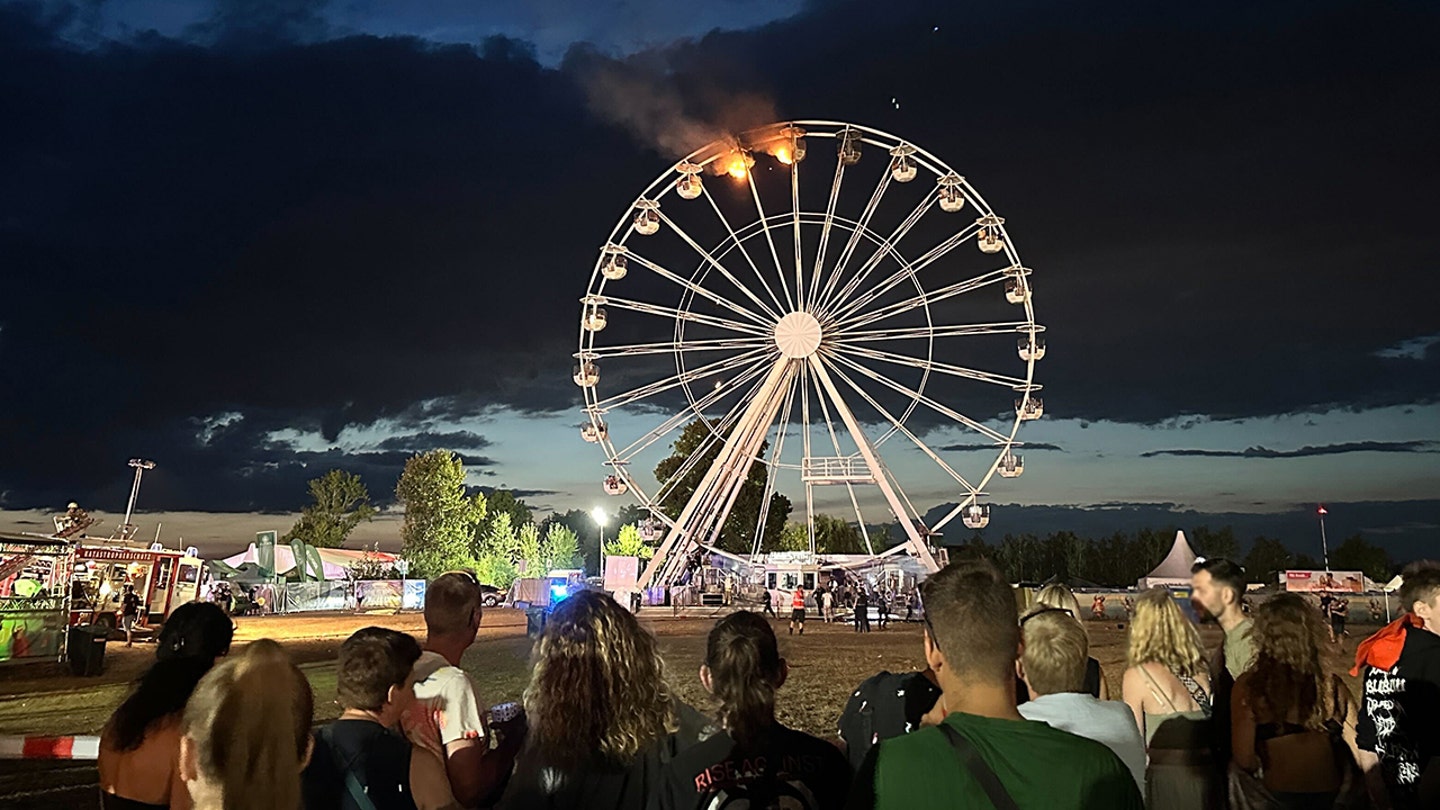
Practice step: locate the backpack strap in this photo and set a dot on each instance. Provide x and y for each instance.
(976, 765)
(356, 790)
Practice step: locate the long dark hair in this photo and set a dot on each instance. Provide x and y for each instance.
(1290, 675)
(193, 637)
(745, 671)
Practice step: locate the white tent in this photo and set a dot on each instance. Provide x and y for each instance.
(1174, 569)
(284, 561)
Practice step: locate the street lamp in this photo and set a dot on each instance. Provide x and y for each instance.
(598, 515)
(127, 530)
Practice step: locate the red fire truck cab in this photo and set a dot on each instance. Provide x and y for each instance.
(163, 578)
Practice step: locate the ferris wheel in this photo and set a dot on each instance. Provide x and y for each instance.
(855, 322)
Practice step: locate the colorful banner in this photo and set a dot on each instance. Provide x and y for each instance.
(374, 594)
(414, 598)
(1318, 581)
(31, 634)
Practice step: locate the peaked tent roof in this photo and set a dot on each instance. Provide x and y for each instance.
(1177, 564)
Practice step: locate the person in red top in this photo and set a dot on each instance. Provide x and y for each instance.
(797, 610)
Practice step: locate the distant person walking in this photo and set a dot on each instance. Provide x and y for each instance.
(862, 611)
(129, 614)
(797, 609)
(767, 601)
(827, 605)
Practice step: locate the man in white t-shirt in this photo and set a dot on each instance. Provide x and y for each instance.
(1053, 668)
(452, 621)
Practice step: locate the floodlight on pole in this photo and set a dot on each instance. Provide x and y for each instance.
(1324, 546)
(127, 529)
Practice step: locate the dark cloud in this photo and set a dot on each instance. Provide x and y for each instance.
(1220, 202)
(1307, 451)
(991, 447)
(422, 442)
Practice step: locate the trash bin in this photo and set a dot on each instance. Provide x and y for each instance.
(85, 648)
(534, 621)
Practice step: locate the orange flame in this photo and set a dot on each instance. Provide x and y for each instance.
(737, 164)
(782, 154)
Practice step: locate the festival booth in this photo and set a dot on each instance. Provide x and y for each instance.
(1173, 573)
(299, 578)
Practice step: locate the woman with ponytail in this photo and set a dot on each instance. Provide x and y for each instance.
(246, 733)
(754, 761)
(140, 746)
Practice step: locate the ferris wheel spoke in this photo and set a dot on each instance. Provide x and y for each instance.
(849, 487)
(697, 289)
(715, 263)
(734, 238)
(715, 435)
(921, 445)
(795, 236)
(845, 310)
(669, 347)
(888, 245)
(770, 240)
(663, 311)
(688, 412)
(675, 381)
(825, 233)
(861, 227)
(927, 332)
(933, 365)
(858, 319)
(775, 457)
(927, 401)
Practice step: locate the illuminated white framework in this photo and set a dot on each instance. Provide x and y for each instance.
(796, 342)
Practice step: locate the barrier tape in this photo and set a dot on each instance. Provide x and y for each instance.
(19, 747)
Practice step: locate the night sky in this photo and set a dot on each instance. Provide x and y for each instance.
(255, 240)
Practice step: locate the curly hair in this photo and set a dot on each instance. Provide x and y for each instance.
(1289, 676)
(1159, 632)
(598, 686)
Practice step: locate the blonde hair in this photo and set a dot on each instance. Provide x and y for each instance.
(1056, 595)
(1056, 651)
(249, 723)
(1159, 632)
(598, 687)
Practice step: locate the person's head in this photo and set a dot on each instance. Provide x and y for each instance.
(195, 635)
(1159, 632)
(1056, 595)
(129, 589)
(1420, 592)
(972, 625)
(743, 669)
(1289, 673)
(1055, 652)
(598, 686)
(1216, 587)
(246, 732)
(452, 606)
(374, 673)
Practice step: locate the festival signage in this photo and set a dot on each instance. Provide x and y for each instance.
(1319, 581)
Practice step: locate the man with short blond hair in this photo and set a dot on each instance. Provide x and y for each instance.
(1053, 668)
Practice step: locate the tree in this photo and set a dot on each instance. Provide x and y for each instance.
(794, 537)
(504, 502)
(835, 535)
(1267, 560)
(500, 537)
(341, 503)
(738, 532)
(527, 543)
(440, 517)
(628, 542)
(493, 568)
(559, 548)
(1359, 554)
(1215, 544)
(587, 535)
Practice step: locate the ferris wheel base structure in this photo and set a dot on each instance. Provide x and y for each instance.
(794, 345)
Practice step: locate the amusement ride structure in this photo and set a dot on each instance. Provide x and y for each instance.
(826, 313)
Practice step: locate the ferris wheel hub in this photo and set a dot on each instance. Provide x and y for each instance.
(798, 335)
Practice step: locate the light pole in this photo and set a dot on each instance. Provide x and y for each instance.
(127, 530)
(598, 515)
(1324, 546)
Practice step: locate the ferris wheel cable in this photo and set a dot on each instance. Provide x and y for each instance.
(770, 240)
(825, 232)
(954, 330)
(921, 445)
(862, 225)
(663, 311)
(843, 309)
(850, 488)
(697, 289)
(779, 307)
(687, 413)
(692, 345)
(673, 381)
(711, 260)
(890, 242)
(944, 368)
(863, 318)
(775, 454)
(925, 400)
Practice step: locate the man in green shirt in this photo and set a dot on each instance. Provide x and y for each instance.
(972, 641)
(1217, 587)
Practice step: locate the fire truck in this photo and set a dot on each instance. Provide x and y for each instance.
(163, 578)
